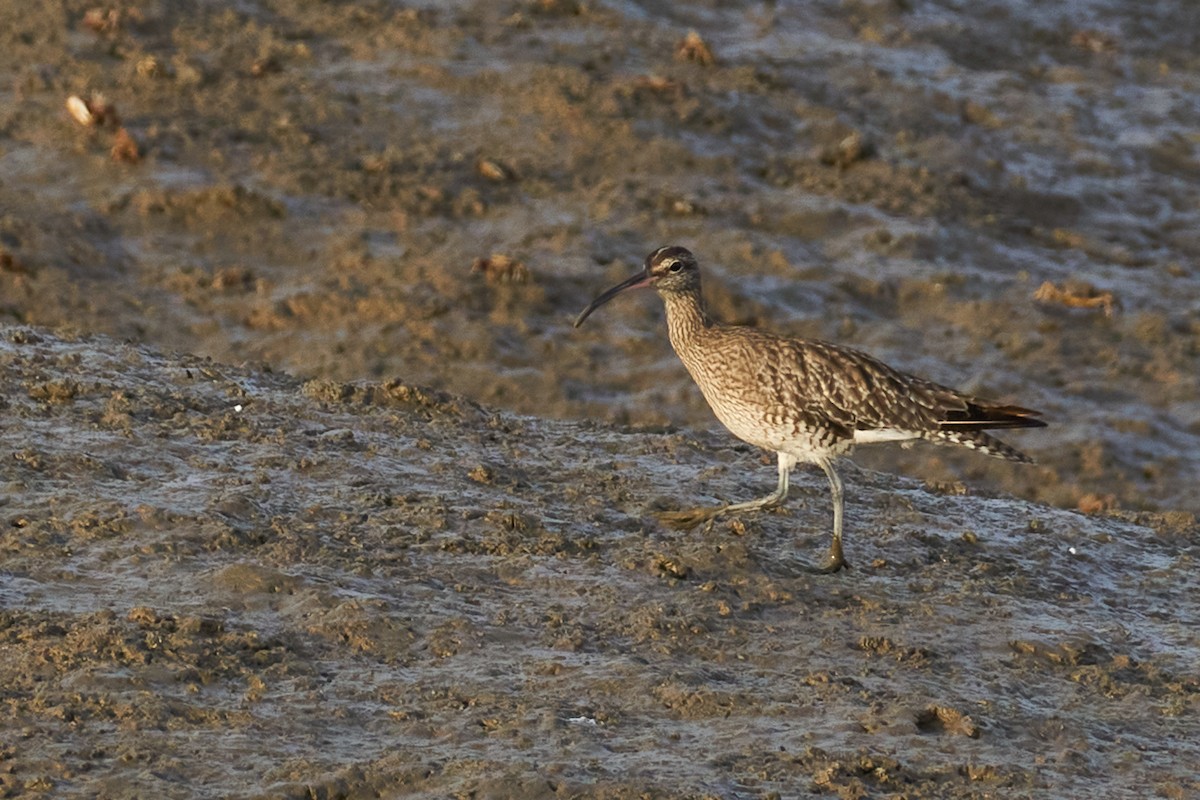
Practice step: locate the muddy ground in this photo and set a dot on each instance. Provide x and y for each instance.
(224, 582)
(397, 536)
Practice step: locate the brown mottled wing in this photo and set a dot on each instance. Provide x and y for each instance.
(858, 392)
(848, 390)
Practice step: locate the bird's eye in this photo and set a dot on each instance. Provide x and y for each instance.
(676, 266)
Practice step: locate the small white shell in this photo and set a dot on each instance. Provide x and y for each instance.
(80, 111)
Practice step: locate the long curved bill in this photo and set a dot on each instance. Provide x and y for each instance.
(635, 282)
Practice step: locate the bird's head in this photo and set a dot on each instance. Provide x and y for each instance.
(668, 269)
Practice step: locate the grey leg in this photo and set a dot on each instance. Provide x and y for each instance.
(690, 518)
(835, 560)
(777, 497)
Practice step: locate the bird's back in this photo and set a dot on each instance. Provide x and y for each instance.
(815, 397)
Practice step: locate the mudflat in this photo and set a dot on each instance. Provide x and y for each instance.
(310, 489)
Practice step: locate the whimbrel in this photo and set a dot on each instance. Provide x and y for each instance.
(809, 401)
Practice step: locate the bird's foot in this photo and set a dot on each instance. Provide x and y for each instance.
(834, 562)
(687, 519)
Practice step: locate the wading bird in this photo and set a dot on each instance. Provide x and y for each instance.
(809, 401)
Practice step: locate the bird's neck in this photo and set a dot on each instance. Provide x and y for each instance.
(686, 318)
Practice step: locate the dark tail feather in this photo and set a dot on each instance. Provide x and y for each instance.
(980, 417)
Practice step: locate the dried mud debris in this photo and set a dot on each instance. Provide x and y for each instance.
(124, 148)
(494, 170)
(845, 151)
(1094, 41)
(1076, 295)
(1097, 503)
(694, 49)
(394, 393)
(97, 112)
(112, 19)
(499, 268)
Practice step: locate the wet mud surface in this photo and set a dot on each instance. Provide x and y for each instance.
(221, 582)
(397, 536)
